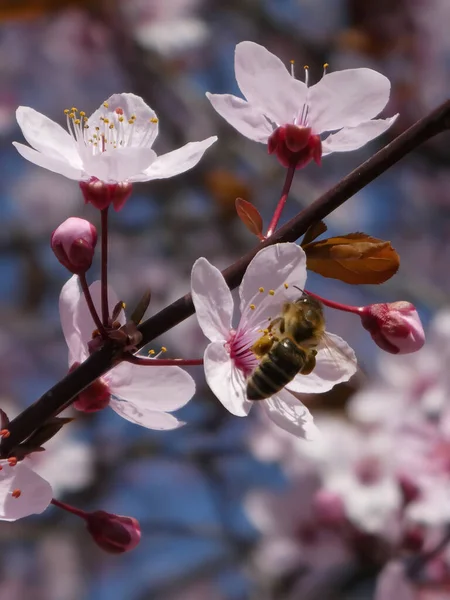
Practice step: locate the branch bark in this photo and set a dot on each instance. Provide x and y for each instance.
(64, 392)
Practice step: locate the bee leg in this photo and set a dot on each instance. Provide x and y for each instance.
(310, 363)
(263, 345)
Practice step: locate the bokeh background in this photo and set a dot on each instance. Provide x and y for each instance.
(211, 495)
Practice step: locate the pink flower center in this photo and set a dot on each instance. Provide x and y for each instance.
(239, 347)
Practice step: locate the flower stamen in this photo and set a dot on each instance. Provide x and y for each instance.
(16, 493)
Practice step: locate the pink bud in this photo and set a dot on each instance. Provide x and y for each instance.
(73, 243)
(113, 533)
(295, 146)
(102, 194)
(394, 327)
(329, 508)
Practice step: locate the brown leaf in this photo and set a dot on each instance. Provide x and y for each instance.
(249, 215)
(47, 431)
(141, 307)
(313, 232)
(354, 258)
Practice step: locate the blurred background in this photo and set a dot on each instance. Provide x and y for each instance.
(230, 509)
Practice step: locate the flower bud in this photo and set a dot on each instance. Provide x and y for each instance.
(102, 194)
(113, 533)
(295, 146)
(394, 327)
(329, 508)
(73, 243)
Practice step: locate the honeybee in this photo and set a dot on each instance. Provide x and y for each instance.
(288, 347)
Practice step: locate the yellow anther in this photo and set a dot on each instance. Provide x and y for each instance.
(120, 119)
(286, 285)
(265, 331)
(306, 67)
(292, 61)
(131, 121)
(86, 126)
(252, 307)
(163, 349)
(124, 306)
(153, 120)
(82, 113)
(85, 119)
(261, 289)
(151, 352)
(106, 121)
(95, 143)
(72, 115)
(111, 126)
(271, 292)
(105, 104)
(77, 122)
(73, 109)
(66, 111)
(325, 65)
(133, 117)
(97, 129)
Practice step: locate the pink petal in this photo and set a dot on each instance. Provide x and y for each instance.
(212, 300)
(247, 119)
(286, 411)
(226, 382)
(267, 84)
(178, 161)
(151, 419)
(352, 138)
(83, 319)
(151, 388)
(35, 492)
(46, 136)
(49, 162)
(346, 99)
(131, 105)
(336, 362)
(392, 584)
(119, 164)
(68, 304)
(272, 268)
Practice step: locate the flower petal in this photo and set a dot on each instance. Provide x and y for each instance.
(242, 116)
(130, 104)
(48, 162)
(119, 164)
(68, 304)
(178, 161)
(346, 99)
(154, 388)
(352, 138)
(84, 322)
(267, 84)
(212, 300)
(47, 137)
(272, 268)
(335, 363)
(289, 413)
(151, 419)
(35, 492)
(393, 583)
(226, 382)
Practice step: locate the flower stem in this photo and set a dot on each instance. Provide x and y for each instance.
(282, 201)
(91, 306)
(162, 362)
(356, 310)
(68, 508)
(104, 277)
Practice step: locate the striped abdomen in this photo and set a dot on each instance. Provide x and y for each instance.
(276, 370)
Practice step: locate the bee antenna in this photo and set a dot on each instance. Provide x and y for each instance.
(299, 289)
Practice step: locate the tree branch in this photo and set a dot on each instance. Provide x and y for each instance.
(63, 393)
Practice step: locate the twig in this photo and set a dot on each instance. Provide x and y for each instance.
(61, 394)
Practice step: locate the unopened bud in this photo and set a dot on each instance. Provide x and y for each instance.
(73, 243)
(113, 533)
(102, 194)
(329, 508)
(295, 146)
(394, 327)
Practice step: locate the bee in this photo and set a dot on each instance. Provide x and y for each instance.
(288, 347)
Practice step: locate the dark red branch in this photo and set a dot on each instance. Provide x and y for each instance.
(61, 395)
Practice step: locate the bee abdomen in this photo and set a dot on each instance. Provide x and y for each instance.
(276, 370)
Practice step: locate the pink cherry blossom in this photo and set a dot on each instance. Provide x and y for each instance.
(268, 282)
(393, 584)
(22, 491)
(142, 395)
(344, 102)
(113, 145)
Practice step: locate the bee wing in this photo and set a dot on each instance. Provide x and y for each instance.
(335, 363)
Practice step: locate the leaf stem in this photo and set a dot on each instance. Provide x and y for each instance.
(91, 306)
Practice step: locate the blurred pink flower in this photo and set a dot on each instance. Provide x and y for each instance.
(142, 395)
(393, 584)
(229, 359)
